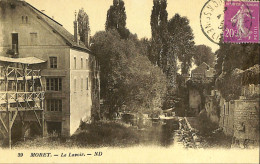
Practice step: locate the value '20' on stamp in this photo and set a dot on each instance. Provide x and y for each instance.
(241, 22)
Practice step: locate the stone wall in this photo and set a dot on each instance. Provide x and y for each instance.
(246, 119)
(240, 119)
(194, 100)
(226, 121)
(211, 108)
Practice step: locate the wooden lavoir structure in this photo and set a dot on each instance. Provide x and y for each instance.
(21, 96)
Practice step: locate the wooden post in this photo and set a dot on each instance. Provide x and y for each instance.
(8, 114)
(43, 124)
(9, 129)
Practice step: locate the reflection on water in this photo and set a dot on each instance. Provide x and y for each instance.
(154, 131)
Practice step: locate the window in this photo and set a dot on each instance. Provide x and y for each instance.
(26, 19)
(75, 85)
(15, 42)
(75, 63)
(81, 63)
(54, 105)
(20, 86)
(33, 36)
(224, 113)
(86, 63)
(53, 84)
(228, 109)
(81, 86)
(53, 62)
(87, 83)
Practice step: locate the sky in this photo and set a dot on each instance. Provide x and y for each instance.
(138, 14)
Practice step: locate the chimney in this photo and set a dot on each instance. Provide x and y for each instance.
(76, 28)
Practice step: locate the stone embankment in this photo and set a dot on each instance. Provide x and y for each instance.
(186, 135)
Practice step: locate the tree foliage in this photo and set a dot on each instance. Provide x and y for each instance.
(116, 18)
(230, 58)
(161, 52)
(159, 19)
(202, 54)
(182, 41)
(128, 79)
(83, 26)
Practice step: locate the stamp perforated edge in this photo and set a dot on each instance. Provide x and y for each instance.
(258, 24)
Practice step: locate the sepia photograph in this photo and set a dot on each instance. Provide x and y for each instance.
(129, 81)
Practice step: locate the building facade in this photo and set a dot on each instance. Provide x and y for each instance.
(199, 85)
(238, 117)
(70, 70)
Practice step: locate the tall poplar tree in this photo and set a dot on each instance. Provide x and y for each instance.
(116, 18)
(155, 41)
(161, 52)
(83, 26)
(159, 48)
(181, 41)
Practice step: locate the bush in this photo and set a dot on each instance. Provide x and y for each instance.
(105, 134)
(206, 126)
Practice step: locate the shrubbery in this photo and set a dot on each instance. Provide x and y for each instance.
(206, 126)
(105, 134)
(128, 78)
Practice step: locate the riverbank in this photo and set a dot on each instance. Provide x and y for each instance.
(99, 134)
(182, 132)
(199, 133)
(116, 133)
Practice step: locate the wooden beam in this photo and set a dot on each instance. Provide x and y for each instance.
(3, 123)
(37, 118)
(2, 133)
(13, 119)
(9, 116)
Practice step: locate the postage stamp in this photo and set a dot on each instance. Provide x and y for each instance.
(241, 22)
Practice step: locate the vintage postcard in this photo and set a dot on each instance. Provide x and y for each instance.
(129, 81)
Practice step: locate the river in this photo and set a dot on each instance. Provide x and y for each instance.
(154, 131)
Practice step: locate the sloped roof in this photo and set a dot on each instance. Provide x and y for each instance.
(201, 68)
(27, 60)
(59, 29)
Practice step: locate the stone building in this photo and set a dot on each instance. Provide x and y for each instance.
(200, 76)
(203, 71)
(240, 118)
(70, 72)
(211, 106)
